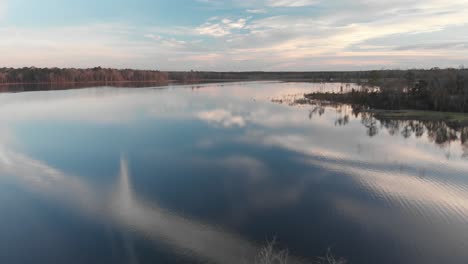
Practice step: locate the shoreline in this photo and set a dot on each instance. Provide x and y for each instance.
(453, 119)
(200, 81)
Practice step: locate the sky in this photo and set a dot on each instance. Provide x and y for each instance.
(229, 35)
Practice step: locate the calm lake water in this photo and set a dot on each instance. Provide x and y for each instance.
(208, 173)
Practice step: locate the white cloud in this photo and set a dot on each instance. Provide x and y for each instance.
(215, 30)
(221, 27)
(153, 37)
(291, 3)
(256, 11)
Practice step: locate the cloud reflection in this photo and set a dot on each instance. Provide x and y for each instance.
(222, 117)
(127, 211)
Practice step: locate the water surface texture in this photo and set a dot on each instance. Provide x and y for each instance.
(208, 173)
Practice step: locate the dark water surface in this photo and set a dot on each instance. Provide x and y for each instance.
(208, 173)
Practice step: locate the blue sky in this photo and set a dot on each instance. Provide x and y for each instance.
(234, 35)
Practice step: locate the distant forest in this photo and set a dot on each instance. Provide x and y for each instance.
(106, 75)
(433, 89)
(99, 75)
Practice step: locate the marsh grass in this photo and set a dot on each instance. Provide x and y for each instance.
(330, 259)
(270, 254)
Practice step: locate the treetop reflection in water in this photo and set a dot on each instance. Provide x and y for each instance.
(439, 132)
(210, 173)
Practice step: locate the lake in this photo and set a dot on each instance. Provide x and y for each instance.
(210, 173)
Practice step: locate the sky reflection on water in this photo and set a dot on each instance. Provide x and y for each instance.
(210, 172)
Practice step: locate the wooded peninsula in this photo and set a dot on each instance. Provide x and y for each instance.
(443, 90)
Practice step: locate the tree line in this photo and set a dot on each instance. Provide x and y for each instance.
(434, 89)
(98, 74)
(56, 75)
